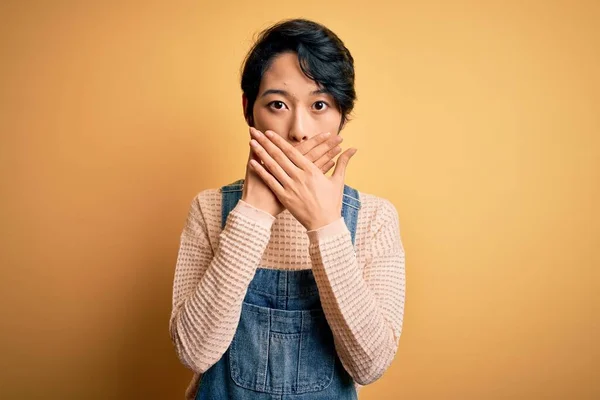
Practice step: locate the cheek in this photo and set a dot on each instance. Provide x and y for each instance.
(259, 114)
(331, 122)
(266, 120)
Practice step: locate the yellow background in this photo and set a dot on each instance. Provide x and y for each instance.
(479, 120)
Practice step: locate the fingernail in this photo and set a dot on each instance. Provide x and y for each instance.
(327, 134)
(269, 133)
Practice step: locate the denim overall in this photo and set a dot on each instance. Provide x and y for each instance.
(283, 348)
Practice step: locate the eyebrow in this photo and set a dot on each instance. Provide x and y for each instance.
(287, 94)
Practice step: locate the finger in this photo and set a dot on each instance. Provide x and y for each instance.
(274, 145)
(330, 155)
(342, 163)
(267, 178)
(290, 159)
(271, 164)
(322, 149)
(328, 166)
(255, 157)
(252, 155)
(305, 147)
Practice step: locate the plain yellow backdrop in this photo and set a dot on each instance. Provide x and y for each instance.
(479, 120)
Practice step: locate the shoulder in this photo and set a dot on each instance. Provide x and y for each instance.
(377, 209)
(204, 212)
(205, 200)
(380, 219)
(208, 201)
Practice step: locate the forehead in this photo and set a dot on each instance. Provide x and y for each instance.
(285, 73)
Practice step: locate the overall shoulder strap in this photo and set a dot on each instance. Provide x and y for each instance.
(230, 195)
(350, 206)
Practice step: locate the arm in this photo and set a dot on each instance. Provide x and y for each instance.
(364, 306)
(208, 289)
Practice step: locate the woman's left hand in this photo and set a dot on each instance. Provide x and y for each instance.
(313, 198)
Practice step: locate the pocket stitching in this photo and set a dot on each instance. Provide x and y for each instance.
(314, 386)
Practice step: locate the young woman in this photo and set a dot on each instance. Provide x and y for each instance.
(290, 284)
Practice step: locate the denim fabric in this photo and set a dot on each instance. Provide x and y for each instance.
(283, 348)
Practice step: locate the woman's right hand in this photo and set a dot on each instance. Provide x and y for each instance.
(319, 149)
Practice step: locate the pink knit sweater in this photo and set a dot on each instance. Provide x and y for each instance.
(362, 292)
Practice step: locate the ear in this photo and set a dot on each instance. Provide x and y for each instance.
(244, 106)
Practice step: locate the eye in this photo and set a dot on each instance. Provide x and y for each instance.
(277, 105)
(320, 105)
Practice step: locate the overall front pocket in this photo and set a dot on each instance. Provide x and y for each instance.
(282, 352)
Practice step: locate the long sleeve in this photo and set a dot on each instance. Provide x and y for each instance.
(209, 286)
(364, 306)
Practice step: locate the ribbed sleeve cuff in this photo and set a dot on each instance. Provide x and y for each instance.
(261, 217)
(337, 227)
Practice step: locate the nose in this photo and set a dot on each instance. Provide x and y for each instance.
(301, 126)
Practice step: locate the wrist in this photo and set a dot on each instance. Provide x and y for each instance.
(256, 214)
(263, 206)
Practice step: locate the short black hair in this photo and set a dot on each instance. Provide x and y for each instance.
(323, 57)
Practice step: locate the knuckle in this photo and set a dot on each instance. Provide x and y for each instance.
(293, 175)
(269, 164)
(301, 148)
(334, 151)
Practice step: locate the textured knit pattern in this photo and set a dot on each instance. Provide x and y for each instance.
(362, 289)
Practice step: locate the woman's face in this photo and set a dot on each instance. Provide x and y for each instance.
(292, 105)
